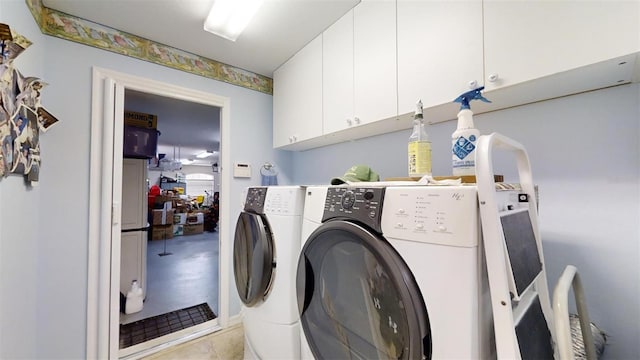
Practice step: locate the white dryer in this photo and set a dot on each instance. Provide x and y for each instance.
(394, 272)
(265, 252)
(315, 197)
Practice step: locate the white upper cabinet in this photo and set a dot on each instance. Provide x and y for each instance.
(297, 96)
(439, 51)
(374, 58)
(337, 75)
(359, 67)
(364, 74)
(525, 40)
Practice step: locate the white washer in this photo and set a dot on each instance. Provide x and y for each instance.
(265, 253)
(394, 272)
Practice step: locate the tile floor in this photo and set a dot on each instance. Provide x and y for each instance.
(186, 278)
(227, 344)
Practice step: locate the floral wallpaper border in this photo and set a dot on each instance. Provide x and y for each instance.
(64, 26)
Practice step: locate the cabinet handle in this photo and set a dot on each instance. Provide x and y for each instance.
(473, 84)
(357, 120)
(295, 138)
(290, 139)
(349, 122)
(493, 78)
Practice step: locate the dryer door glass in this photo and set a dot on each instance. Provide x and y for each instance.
(253, 258)
(358, 299)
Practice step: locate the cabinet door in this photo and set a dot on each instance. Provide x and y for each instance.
(133, 260)
(134, 193)
(526, 40)
(297, 96)
(337, 75)
(375, 80)
(439, 51)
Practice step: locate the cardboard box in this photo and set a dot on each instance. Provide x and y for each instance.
(163, 200)
(181, 207)
(192, 229)
(161, 232)
(142, 120)
(465, 179)
(178, 230)
(179, 218)
(162, 217)
(195, 218)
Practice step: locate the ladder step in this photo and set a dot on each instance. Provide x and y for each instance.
(522, 250)
(534, 337)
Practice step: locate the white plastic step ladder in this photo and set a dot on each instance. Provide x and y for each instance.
(523, 317)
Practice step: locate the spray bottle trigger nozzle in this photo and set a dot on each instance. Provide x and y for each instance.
(475, 94)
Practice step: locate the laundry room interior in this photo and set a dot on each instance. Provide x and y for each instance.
(251, 154)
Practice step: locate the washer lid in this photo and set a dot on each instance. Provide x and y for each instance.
(253, 258)
(358, 299)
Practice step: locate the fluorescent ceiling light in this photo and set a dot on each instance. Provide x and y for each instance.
(186, 161)
(204, 154)
(228, 18)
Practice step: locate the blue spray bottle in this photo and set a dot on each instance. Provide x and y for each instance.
(463, 140)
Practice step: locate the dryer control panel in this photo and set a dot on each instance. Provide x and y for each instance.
(363, 204)
(446, 215)
(255, 199)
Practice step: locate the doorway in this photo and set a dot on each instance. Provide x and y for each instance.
(175, 261)
(103, 311)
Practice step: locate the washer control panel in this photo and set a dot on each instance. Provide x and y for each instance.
(363, 204)
(284, 200)
(255, 199)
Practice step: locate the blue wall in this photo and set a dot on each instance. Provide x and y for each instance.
(585, 156)
(20, 294)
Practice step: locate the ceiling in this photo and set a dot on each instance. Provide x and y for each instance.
(279, 29)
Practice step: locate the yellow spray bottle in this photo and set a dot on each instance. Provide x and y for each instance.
(419, 148)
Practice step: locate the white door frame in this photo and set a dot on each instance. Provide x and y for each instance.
(104, 208)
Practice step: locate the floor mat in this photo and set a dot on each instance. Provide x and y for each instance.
(153, 327)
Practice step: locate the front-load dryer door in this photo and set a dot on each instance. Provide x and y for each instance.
(253, 257)
(358, 299)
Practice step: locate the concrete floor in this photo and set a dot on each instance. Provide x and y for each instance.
(186, 278)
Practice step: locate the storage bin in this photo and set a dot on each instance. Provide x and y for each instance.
(140, 143)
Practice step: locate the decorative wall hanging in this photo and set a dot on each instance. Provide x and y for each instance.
(22, 117)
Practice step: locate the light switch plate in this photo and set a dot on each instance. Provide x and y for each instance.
(241, 170)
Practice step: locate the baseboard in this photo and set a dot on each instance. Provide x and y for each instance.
(235, 320)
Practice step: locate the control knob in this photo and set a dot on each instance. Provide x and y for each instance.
(348, 199)
(368, 195)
